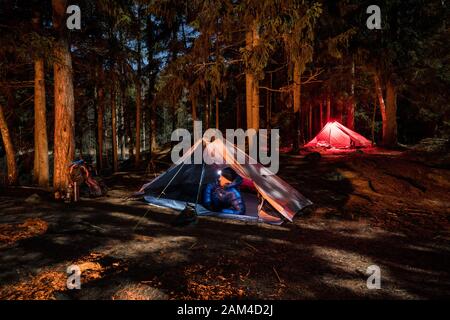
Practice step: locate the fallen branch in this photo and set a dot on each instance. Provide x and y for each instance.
(92, 226)
(371, 186)
(409, 180)
(362, 196)
(276, 273)
(250, 246)
(193, 245)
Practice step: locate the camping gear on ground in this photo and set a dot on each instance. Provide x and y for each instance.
(336, 135)
(76, 192)
(83, 183)
(186, 217)
(184, 183)
(94, 187)
(69, 194)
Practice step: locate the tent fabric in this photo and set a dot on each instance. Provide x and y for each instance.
(183, 182)
(336, 135)
(251, 216)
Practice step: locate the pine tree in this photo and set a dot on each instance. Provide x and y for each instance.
(64, 136)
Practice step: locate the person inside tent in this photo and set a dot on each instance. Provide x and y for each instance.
(223, 195)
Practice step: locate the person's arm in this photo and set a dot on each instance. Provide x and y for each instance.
(237, 204)
(207, 196)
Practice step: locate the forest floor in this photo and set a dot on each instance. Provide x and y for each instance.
(389, 210)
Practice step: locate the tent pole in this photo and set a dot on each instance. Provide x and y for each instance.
(201, 178)
(200, 185)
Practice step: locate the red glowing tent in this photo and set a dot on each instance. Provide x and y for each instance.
(336, 135)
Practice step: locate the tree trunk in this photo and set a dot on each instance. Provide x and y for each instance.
(388, 111)
(210, 110)
(217, 113)
(238, 112)
(106, 145)
(153, 142)
(138, 124)
(152, 65)
(9, 149)
(207, 107)
(338, 110)
(351, 103)
(379, 92)
(121, 132)
(321, 113)
(64, 134)
(121, 124)
(100, 111)
(138, 95)
(194, 108)
(351, 113)
(128, 131)
(390, 137)
(252, 86)
(174, 116)
(41, 168)
(373, 121)
(269, 104)
(114, 127)
(144, 129)
(310, 122)
(328, 107)
(297, 108)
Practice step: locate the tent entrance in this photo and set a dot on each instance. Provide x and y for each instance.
(185, 183)
(176, 197)
(267, 197)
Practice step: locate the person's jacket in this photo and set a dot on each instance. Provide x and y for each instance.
(226, 200)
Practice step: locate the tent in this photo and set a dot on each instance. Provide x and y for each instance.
(267, 197)
(336, 135)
